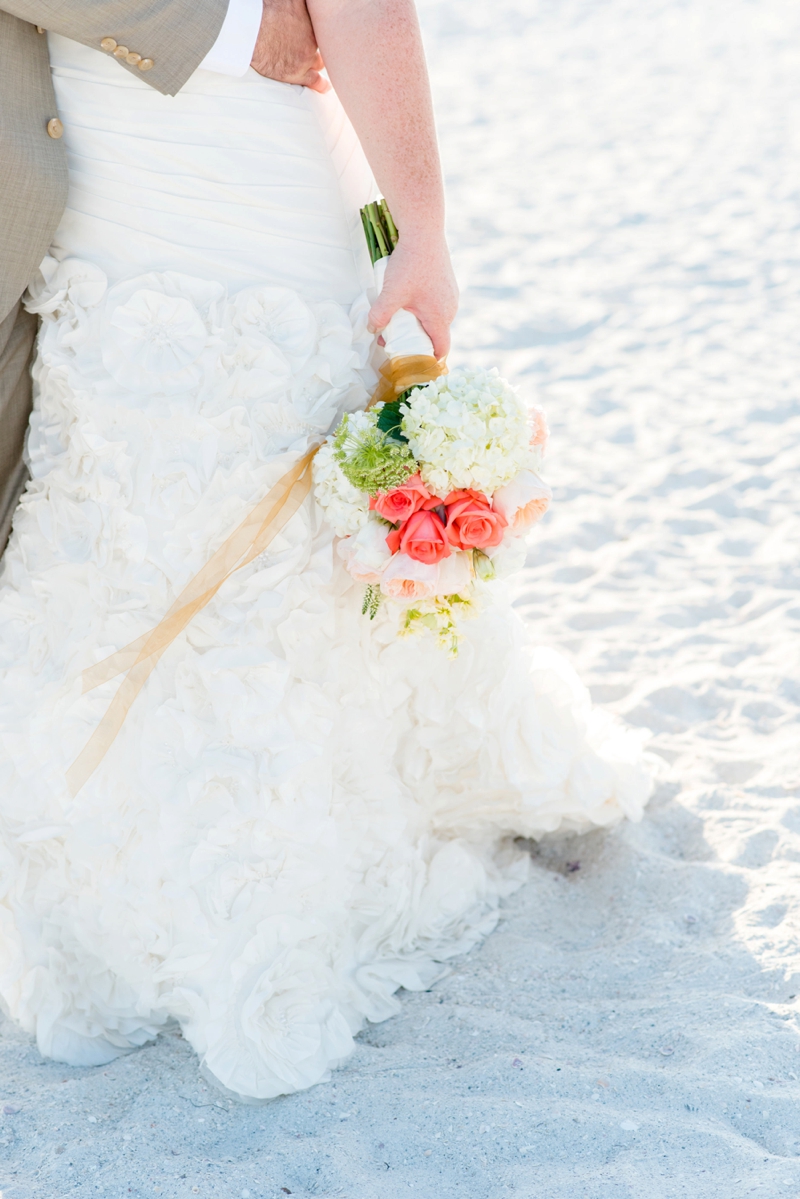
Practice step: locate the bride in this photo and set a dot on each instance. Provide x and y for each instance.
(300, 814)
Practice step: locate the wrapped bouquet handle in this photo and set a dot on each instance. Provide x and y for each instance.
(404, 335)
(411, 361)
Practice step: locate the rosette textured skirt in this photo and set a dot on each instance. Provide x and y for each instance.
(301, 813)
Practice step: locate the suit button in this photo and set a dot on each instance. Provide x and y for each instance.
(39, 29)
(54, 127)
(133, 58)
(146, 64)
(121, 52)
(108, 44)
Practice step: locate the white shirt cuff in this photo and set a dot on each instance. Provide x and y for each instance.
(232, 52)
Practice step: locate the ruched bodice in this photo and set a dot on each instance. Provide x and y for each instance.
(239, 181)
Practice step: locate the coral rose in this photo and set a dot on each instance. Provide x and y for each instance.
(422, 537)
(402, 502)
(523, 501)
(471, 521)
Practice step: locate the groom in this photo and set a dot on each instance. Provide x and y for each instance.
(161, 42)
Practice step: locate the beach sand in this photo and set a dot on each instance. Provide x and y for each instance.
(624, 187)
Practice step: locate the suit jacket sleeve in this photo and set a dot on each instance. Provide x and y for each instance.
(175, 35)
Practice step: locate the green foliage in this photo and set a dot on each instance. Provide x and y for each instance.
(439, 616)
(372, 601)
(390, 421)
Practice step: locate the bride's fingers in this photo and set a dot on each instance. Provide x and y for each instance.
(438, 330)
(390, 301)
(439, 333)
(441, 341)
(416, 281)
(380, 314)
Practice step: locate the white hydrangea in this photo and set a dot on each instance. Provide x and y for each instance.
(468, 429)
(361, 420)
(346, 508)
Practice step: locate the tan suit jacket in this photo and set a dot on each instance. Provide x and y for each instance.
(172, 35)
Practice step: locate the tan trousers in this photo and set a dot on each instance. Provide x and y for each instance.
(17, 335)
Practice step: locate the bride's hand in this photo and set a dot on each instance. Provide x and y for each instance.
(419, 278)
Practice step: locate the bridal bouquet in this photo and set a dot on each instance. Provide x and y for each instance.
(431, 490)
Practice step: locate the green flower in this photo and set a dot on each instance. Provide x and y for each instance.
(369, 459)
(440, 616)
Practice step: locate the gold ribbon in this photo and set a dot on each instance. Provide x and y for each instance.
(258, 529)
(261, 525)
(398, 374)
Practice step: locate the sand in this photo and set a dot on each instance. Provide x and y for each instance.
(625, 204)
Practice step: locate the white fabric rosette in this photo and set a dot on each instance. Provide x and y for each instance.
(157, 332)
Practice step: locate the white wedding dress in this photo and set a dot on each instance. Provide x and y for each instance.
(301, 813)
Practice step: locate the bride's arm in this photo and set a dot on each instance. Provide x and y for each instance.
(373, 52)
